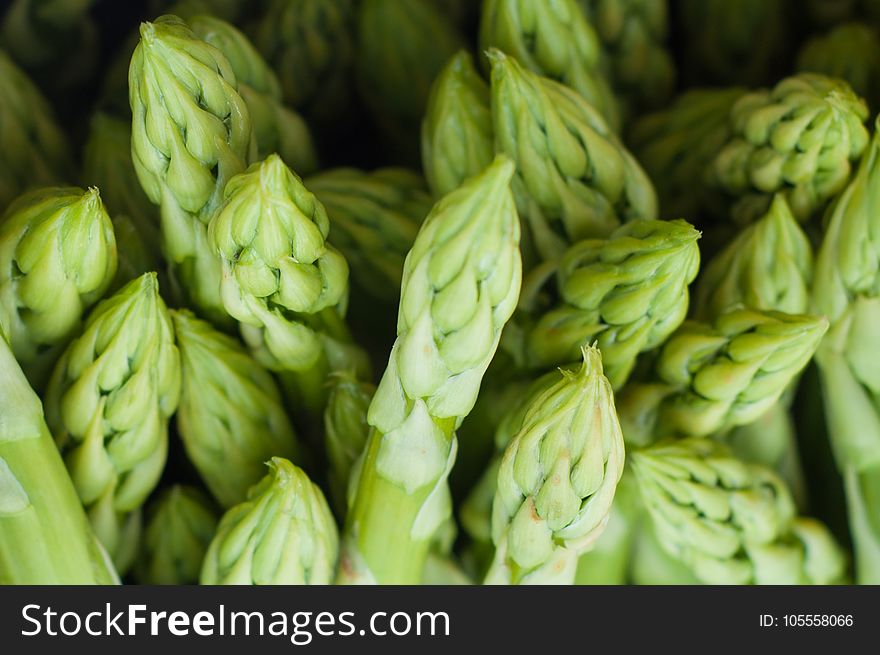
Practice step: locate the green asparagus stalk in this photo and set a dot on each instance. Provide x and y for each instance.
(45, 537)
(633, 35)
(730, 372)
(231, 417)
(768, 266)
(107, 164)
(108, 404)
(798, 139)
(457, 138)
(34, 151)
(276, 128)
(180, 524)
(346, 432)
(557, 480)
(731, 522)
(375, 217)
(310, 44)
(574, 179)
(57, 258)
(283, 533)
(555, 40)
(402, 47)
(460, 285)
(282, 280)
(676, 146)
(851, 52)
(847, 291)
(191, 132)
(628, 293)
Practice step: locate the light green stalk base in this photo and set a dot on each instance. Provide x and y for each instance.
(385, 544)
(45, 537)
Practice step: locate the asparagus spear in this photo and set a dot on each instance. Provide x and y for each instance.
(732, 371)
(557, 480)
(847, 291)
(553, 39)
(798, 138)
(574, 180)
(460, 284)
(180, 524)
(231, 417)
(731, 522)
(45, 537)
(191, 132)
(281, 279)
(283, 533)
(769, 265)
(457, 138)
(57, 258)
(628, 293)
(108, 404)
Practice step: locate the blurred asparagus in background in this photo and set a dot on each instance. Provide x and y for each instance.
(457, 138)
(374, 218)
(56, 41)
(311, 46)
(346, 432)
(231, 417)
(401, 47)
(634, 36)
(180, 524)
(726, 43)
(769, 265)
(850, 52)
(107, 164)
(35, 150)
